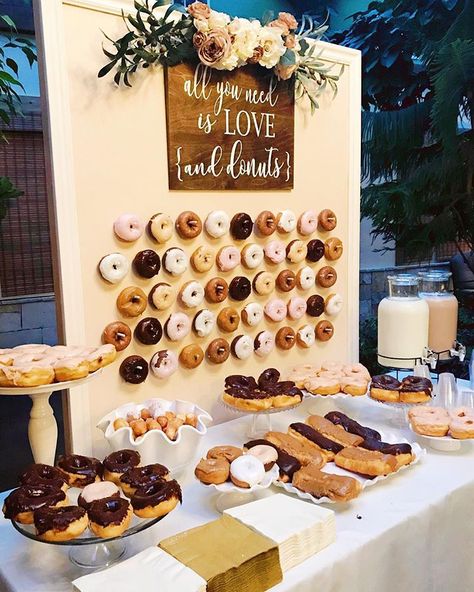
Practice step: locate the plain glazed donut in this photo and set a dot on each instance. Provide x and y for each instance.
(134, 369)
(305, 336)
(275, 251)
(212, 471)
(266, 223)
(252, 314)
(242, 347)
(230, 453)
(315, 305)
(118, 334)
(188, 225)
(324, 330)
(131, 302)
(240, 288)
(296, 251)
(161, 296)
(216, 290)
(175, 261)
(286, 221)
(327, 220)
(204, 322)
(286, 280)
(263, 283)
(333, 248)
(218, 351)
(228, 319)
(296, 307)
(246, 471)
(333, 305)
(114, 267)
(148, 331)
(326, 276)
(164, 363)
(315, 250)
(217, 223)
(177, 326)
(128, 227)
(241, 226)
(228, 258)
(191, 294)
(96, 491)
(285, 338)
(266, 454)
(462, 428)
(202, 259)
(191, 356)
(146, 263)
(264, 343)
(252, 255)
(305, 278)
(160, 227)
(275, 310)
(307, 222)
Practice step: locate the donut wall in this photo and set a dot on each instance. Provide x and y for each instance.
(109, 158)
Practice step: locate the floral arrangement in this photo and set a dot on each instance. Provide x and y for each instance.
(222, 43)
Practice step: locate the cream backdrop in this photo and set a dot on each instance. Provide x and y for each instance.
(108, 155)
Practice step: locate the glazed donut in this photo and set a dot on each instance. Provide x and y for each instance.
(164, 363)
(216, 290)
(188, 225)
(296, 251)
(266, 223)
(212, 470)
(430, 421)
(217, 223)
(265, 454)
(156, 499)
(117, 334)
(296, 307)
(333, 304)
(100, 357)
(71, 368)
(218, 351)
(131, 302)
(146, 263)
(40, 474)
(191, 294)
(264, 343)
(252, 256)
(333, 248)
(286, 280)
(275, 310)
(286, 221)
(324, 330)
(326, 276)
(148, 331)
(175, 261)
(137, 477)
(191, 356)
(160, 227)
(305, 278)
(114, 267)
(110, 517)
(64, 523)
(117, 463)
(242, 347)
(228, 258)
(177, 326)
(202, 259)
(305, 336)
(134, 369)
(230, 453)
(460, 412)
(355, 386)
(252, 314)
(228, 319)
(240, 288)
(275, 251)
(204, 322)
(315, 250)
(161, 296)
(462, 428)
(315, 305)
(241, 226)
(307, 222)
(80, 470)
(285, 338)
(263, 283)
(97, 491)
(21, 503)
(246, 471)
(128, 227)
(327, 220)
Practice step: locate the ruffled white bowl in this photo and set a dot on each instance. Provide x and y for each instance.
(155, 446)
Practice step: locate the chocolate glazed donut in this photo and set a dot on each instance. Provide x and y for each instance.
(315, 305)
(155, 493)
(39, 474)
(121, 461)
(147, 263)
(351, 426)
(57, 519)
(386, 382)
(241, 226)
(315, 250)
(240, 288)
(110, 510)
(134, 369)
(87, 467)
(29, 498)
(148, 331)
(416, 384)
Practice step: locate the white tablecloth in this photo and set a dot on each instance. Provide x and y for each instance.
(414, 532)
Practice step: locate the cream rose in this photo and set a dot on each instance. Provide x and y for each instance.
(216, 47)
(270, 40)
(218, 20)
(199, 10)
(244, 38)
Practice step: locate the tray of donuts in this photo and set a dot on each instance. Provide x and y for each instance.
(441, 428)
(331, 379)
(89, 501)
(160, 430)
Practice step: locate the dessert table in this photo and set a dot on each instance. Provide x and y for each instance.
(413, 531)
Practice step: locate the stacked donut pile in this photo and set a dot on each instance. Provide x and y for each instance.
(111, 493)
(436, 421)
(331, 378)
(145, 421)
(36, 365)
(212, 302)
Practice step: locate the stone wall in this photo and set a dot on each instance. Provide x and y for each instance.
(28, 320)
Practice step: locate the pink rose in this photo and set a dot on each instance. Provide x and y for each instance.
(278, 24)
(290, 41)
(216, 46)
(288, 19)
(199, 10)
(285, 72)
(198, 39)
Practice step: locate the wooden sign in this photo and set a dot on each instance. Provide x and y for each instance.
(228, 130)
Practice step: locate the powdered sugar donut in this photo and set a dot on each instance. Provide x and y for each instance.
(164, 363)
(333, 305)
(264, 343)
(177, 326)
(275, 309)
(129, 227)
(305, 278)
(191, 294)
(252, 314)
(275, 251)
(242, 347)
(286, 221)
(305, 336)
(228, 258)
(175, 261)
(114, 267)
(252, 255)
(308, 222)
(160, 227)
(204, 322)
(296, 307)
(217, 223)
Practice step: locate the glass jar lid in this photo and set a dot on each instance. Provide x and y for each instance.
(403, 279)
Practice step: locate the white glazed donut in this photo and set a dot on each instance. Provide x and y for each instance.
(161, 227)
(98, 490)
(204, 322)
(191, 294)
(247, 469)
(175, 261)
(266, 454)
(242, 347)
(305, 336)
(264, 343)
(308, 222)
(275, 309)
(296, 307)
(217, 223)
(177, 326)
(333, 305)
(129, 227)
(164, 363)
(228, 258)
(114, 267)
(252, 255)
(286, 221)
(252, 314)
(305, 278)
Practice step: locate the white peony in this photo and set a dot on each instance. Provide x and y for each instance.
(218, 20)
(229, 62)
(270, 39)
(245, 38)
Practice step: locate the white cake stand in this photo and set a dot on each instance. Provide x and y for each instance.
(42, 427)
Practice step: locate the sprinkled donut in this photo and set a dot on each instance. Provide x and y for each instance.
(252, 256)
(241, 226)
(333, 248)
(286, 280)
(296, 307)
(114, 267)
(204, 322)
(117, 334)
(188, 225)
(202, 259)
(191, 356)
(263, 283)
(275, 310)
(131, 302)
(216, 290)
(134, 369)
(161, 296)
(164, 363)
(275, 251)
(228, 319)
(128, 227)
(160, 228)
(333, 305)
(228, 258)
(286, 221)
(191, 294)
(252, 314)
(266, 223)
(217, 223)
(296, 251)
(315, 250)
(240, 288)
(305, 336)
(327, 220)
(175, 261)
(315, 305)
(305, 278)
(177, 326)
(324, 330)
(326, 276)
(285, 338)
(264, 343)
(242, 347)
(307, 222)
(148, 331)
(146, 263)
(218, 351)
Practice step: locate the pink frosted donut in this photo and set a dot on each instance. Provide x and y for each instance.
(308, 222)
(228, 258)
(461, 412)
(275, 309)
(177, 326)
(296, 307)
(275, 251)
(164, 363)
(129, 227)
(264, 343)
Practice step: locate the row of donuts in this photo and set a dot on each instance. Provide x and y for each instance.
(147, 263)
(135, 369)
(149, 330)
(188, 225)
